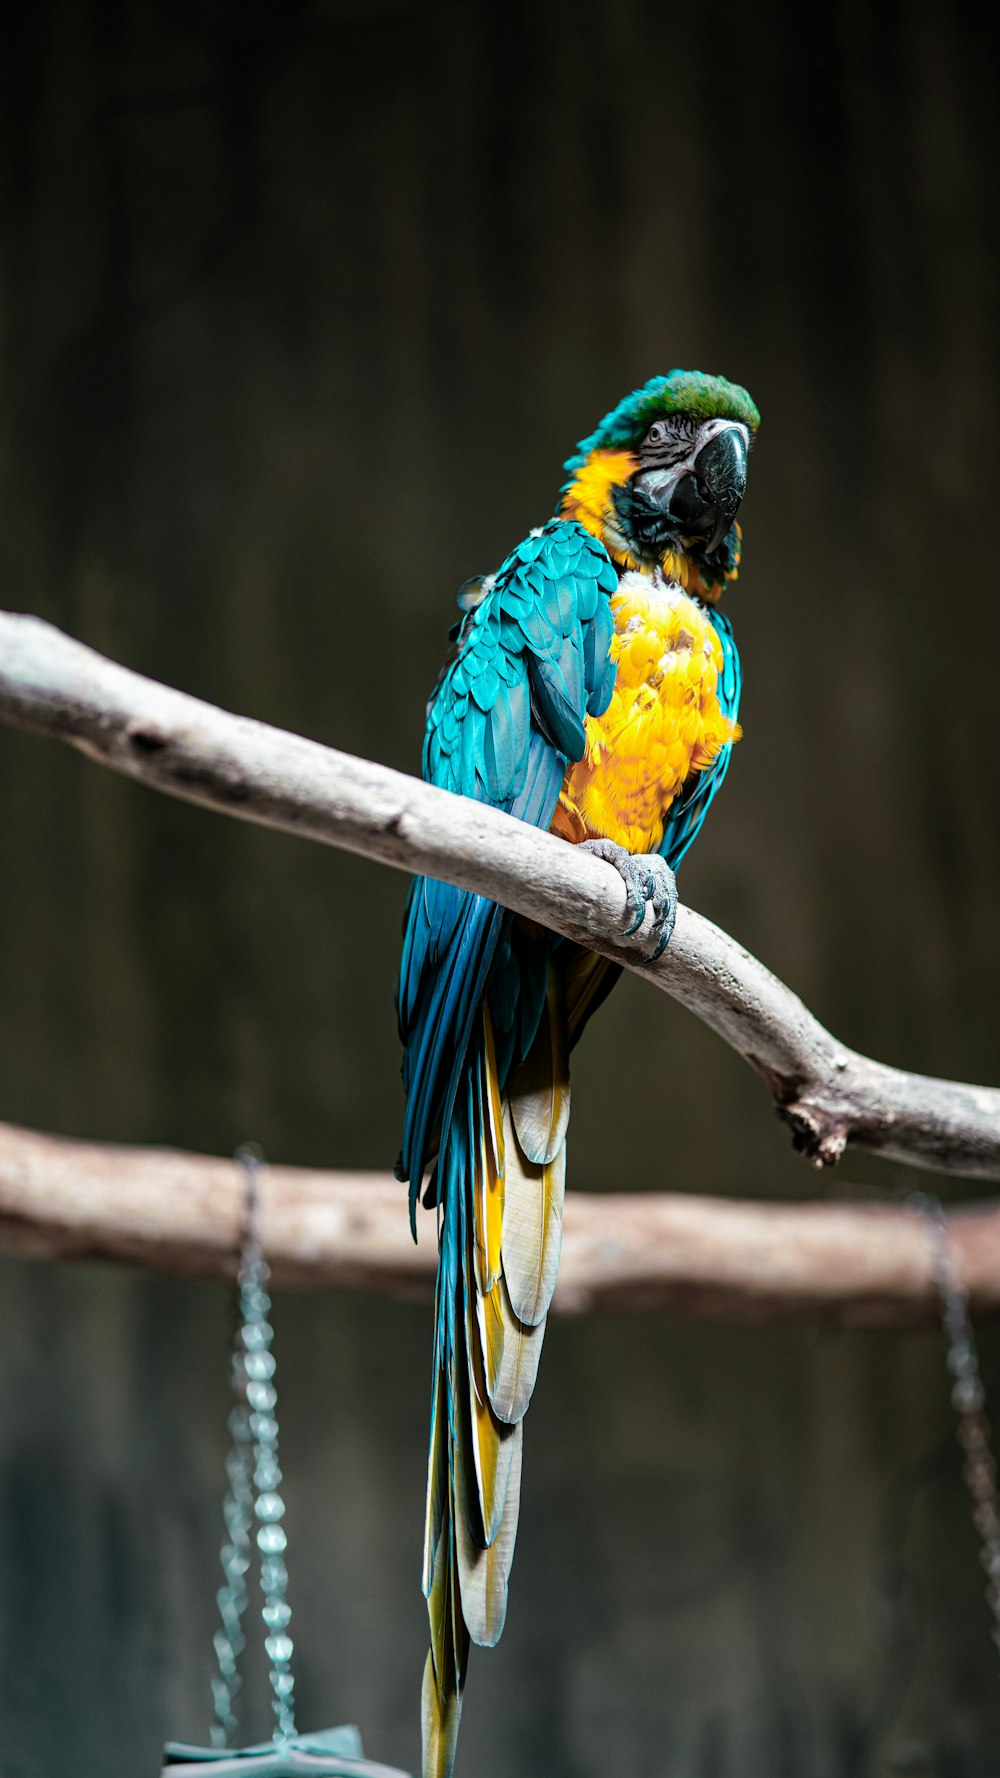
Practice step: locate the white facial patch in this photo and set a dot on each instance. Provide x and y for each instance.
(711, 429)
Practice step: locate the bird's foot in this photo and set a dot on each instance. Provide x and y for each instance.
(648, 880)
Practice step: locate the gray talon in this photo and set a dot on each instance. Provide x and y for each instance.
(647, 878)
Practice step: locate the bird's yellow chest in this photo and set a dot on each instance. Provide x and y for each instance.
(664, 721)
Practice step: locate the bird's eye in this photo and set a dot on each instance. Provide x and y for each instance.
(658, 432)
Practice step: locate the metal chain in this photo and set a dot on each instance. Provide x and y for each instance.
(235, 1557)
(254, 1477)
(967, 1397)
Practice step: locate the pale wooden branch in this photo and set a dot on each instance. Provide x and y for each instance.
(828, 1094)
(711, 1257)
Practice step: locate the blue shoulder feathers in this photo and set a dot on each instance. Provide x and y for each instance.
(532, 655)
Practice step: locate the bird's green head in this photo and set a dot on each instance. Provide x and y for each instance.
(661, 478)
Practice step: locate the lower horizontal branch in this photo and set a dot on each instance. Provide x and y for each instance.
(641, 1252)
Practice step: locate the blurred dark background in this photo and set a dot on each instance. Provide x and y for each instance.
(301, 308)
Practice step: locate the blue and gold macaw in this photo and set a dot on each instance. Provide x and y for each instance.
(594, 692)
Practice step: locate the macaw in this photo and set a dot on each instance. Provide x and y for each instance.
(594, 692)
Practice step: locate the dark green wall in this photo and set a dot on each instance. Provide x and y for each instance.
(300, 310)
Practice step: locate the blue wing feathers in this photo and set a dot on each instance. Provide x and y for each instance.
(439, 1033)
(539, 793)
(555, 709)
(503, 722)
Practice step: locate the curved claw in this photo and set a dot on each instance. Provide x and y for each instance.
(665, 922)
(648, 879)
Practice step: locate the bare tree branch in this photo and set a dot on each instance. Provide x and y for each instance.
(828, 1094)
(716, 1258)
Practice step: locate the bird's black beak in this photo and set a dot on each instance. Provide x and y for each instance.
(706, 500)
(666, 503)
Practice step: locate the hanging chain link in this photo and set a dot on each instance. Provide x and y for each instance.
(253, 1494)
(967, 1397)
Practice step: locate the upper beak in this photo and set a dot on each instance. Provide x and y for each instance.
(707, 499)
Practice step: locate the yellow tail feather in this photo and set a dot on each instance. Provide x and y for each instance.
(538, 1090)
(532, 1230)
(487, 1191)
(517, 1370)
(512, 1210)
(483, 1573)
(440, 1714)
